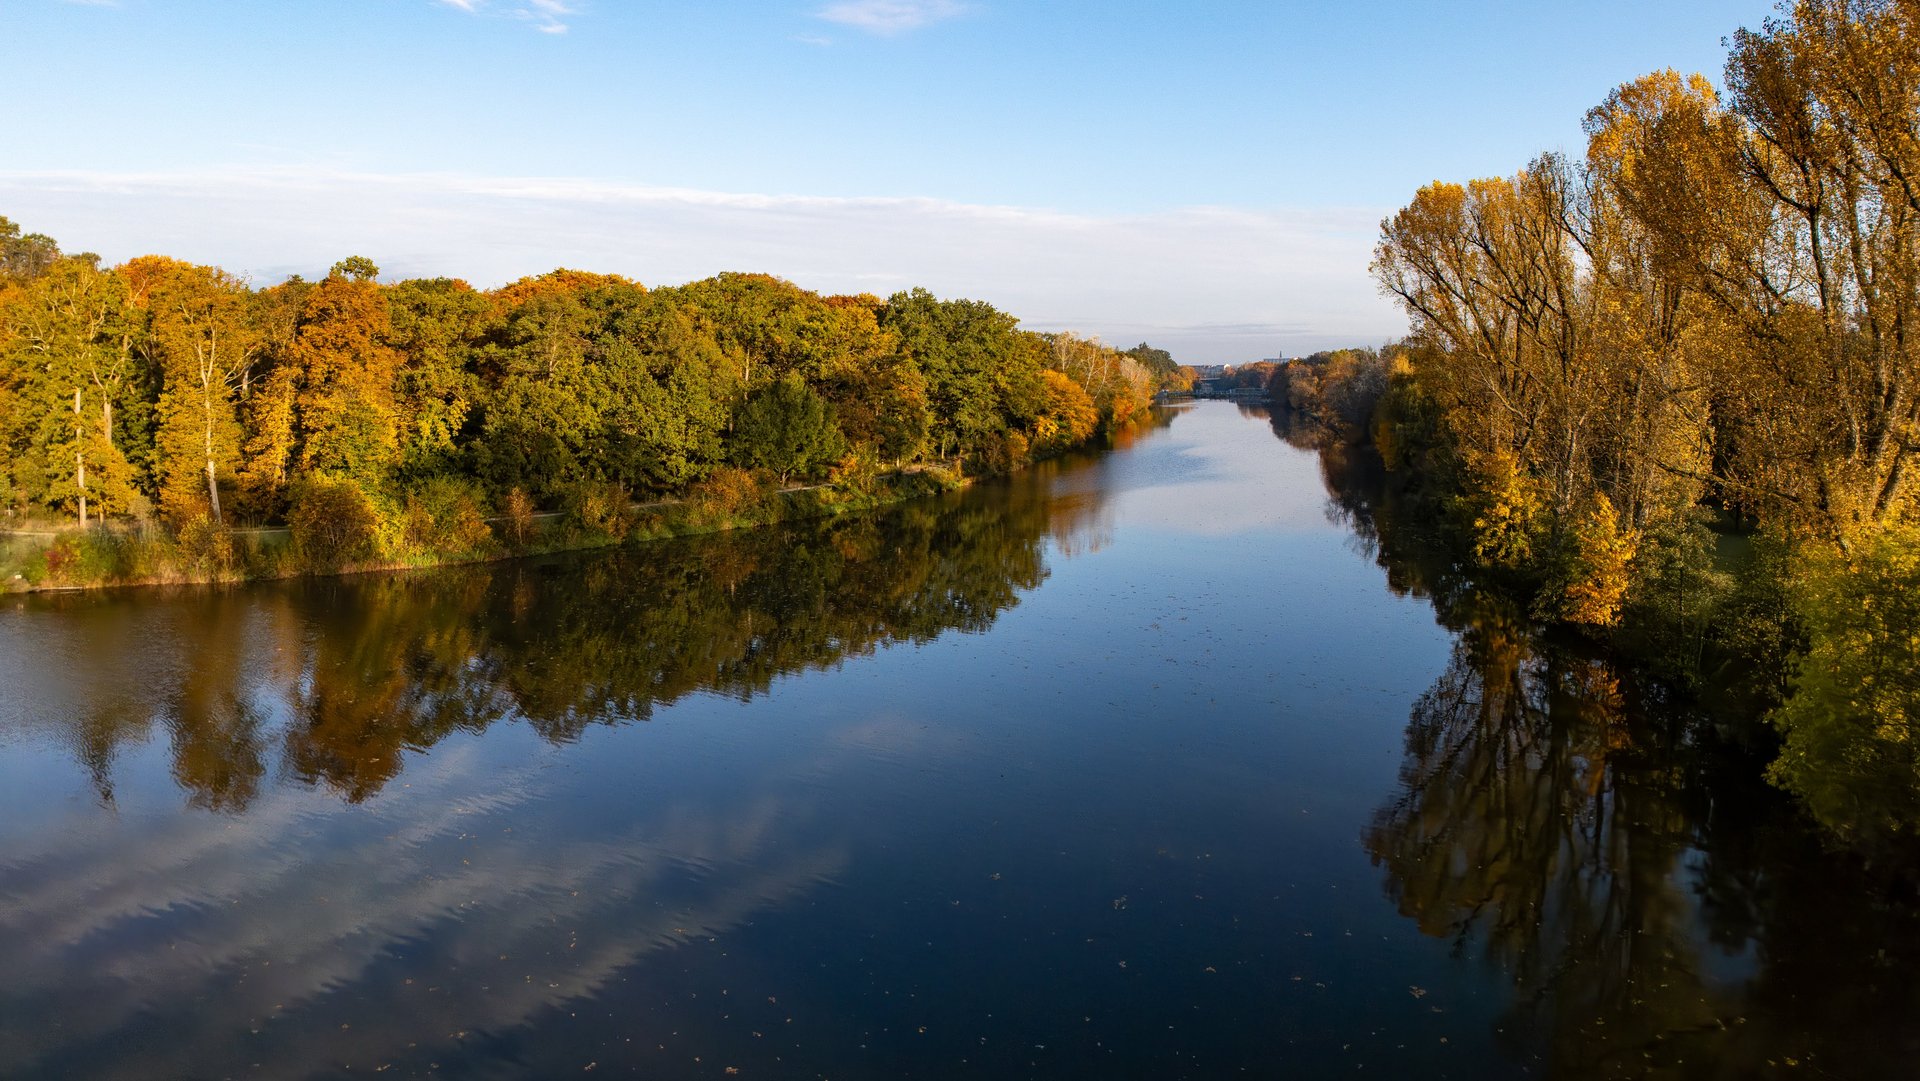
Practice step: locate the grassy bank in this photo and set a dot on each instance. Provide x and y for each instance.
(349, 537)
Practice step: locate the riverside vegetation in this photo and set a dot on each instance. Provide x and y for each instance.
(156, 414)
(1671, 392)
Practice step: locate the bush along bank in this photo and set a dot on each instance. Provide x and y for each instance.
(336, 529)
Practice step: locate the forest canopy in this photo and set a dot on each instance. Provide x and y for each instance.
(163, 393)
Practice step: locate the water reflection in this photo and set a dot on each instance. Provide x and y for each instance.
(306, 927)
(417, 824)
(339, 680)
(1657, 911)
(291, 946)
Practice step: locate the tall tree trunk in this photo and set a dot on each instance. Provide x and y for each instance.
(206, 417)
(213, 492)
(80, 456)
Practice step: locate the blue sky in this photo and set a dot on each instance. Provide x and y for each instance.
(1205, 175)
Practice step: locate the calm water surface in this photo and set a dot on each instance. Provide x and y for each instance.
(1144, 766)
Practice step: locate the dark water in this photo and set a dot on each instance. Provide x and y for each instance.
(1142, 766)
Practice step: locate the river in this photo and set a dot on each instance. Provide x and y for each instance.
(1150, 764)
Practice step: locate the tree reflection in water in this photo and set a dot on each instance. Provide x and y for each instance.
(348, 676)
(1658, 911)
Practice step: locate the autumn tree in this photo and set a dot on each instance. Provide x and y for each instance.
(1120, 386)
(344, 371)
(1714, 308)
(69, 337)
(268, 391)
(1831, 101)
(1066, 417)
(206, 345)
(1489, 271)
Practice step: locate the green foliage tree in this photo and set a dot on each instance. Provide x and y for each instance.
(787, 429)
(24, 257)
(668, 394)
(1852, 719)
(982, 372)
(434, 325)
(355, 268)
(1158, 362)
(76, 389)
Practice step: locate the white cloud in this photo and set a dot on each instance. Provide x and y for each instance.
(547, 16)
(1211, 284)
(891, 16)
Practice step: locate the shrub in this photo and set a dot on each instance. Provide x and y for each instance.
(516, 518)
(857, 472)
(442, 517)
(93, 556)
(58, 563)
(727, 497)
(334, 524)
(599, 508)
(205, 547)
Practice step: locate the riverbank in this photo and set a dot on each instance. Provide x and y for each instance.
(139, 555)
(1795, 662)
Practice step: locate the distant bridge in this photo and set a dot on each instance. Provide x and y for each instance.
(1244, 395)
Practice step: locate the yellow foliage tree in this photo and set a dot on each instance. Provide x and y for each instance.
(1600, 567)
(204, 343)
(1852, 721)
(347, 415)
(1067, 415)
(1506, 507)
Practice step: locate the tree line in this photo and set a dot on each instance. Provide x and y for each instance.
(406, 414)
(1673, 388)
